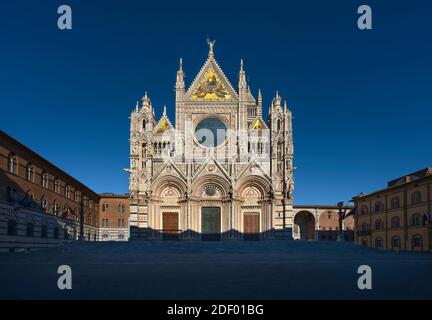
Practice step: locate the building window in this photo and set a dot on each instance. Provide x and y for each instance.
(44, 180)
(417, 241)
(105, 236)
(105, 223)
(44, 232)
(67, 191)
(278, 125)
(76, 196)
(30, 229)
(379, 243)
(30, 172)
(144, 123)
(44, 203)
(396, 243)
(364, 210)
(105, 207)
(395, 222)
(416, 197)
(364, 227)
(121, 236)
(55, 208)
(121, 208)
(12, 163)
(395, 203)
(379, 224)
(379, 206)
(416, 220)
(57, 185)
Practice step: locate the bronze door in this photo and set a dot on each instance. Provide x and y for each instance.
(170, 226)
(251, 226)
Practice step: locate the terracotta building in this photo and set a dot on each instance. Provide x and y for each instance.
(397, 217)
(114, 217)
(40, 204)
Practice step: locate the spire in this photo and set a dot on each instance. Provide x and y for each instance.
(137, 106)
(285, 106)
(242, 77)
(180, 76)
(164, 111)
(259, 105)
(277, 100)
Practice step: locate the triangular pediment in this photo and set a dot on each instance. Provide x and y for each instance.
(258, 124)
(211, 84)
(211, 166)
(164, 124)
(168, 167)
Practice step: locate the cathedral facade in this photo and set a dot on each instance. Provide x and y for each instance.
(220, 171)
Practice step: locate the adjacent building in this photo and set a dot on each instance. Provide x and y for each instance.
(114, 217)
(397, 217)
(40, 204)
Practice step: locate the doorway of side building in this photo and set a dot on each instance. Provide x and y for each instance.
(170, 226)
(305, 222)
(210, 223)
(251, 226)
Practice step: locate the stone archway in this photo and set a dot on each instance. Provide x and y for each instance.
(304, 226)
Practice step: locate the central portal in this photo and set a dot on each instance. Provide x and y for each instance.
(210, 223)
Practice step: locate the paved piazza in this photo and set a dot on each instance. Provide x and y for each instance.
(219, 270)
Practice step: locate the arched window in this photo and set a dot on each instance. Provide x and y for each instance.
(395, 222)
(76, 196)
(415, 197)
(396, 243)
(364, 210)
(379, 243)
(12, 163)
(278, 125)
(56, 233)
(44, 180)
(417, 241)
(44, 231)
(44, 203)
(105, 207)
(364, 227)
(30, 172)
(379, 224)
(56, 208)
(379, 206)
(30, 229)
(12, 227)
(28, 199)
(144, 123)
(416, 220)
(395, 203)
(121, 208)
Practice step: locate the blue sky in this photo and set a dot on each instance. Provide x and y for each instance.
(361, 99)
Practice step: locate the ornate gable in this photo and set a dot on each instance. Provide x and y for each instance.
(257, 124)
(164, 123)
(211, 84)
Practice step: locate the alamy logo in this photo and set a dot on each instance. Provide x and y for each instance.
(65, 20)
(65, 280)
(365, 280)
(364, 22)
